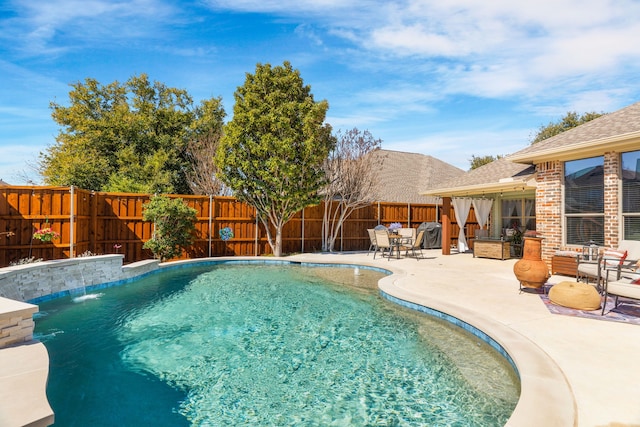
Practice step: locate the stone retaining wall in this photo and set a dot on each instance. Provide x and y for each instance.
(30, 282)
(16, 322)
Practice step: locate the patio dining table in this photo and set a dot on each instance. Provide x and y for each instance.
(397, 240)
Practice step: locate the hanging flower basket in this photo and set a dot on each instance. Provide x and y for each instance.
(46, 234)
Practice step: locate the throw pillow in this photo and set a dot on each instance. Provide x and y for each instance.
(614, 257)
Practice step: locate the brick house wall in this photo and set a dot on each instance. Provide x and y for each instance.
(549, 207)
(611, 199)
(549, 203)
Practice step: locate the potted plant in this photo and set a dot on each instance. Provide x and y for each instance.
(515, 238)
(394, 227)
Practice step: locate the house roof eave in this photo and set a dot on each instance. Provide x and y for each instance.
(502, 186)
(597, 147)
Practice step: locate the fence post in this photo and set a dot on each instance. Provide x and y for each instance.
(256, 236)
(210, 221)
(71, 224)
(302, 250)
(409, 215)
(93, 220)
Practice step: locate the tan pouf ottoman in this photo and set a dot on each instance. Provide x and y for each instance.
(575, 295)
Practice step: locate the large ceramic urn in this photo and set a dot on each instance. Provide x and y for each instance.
(531, 270)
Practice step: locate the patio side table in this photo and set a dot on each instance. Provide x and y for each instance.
(565, 263)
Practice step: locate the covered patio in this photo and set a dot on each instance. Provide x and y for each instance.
(502, 194)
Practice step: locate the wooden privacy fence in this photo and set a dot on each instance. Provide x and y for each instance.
(107, 223)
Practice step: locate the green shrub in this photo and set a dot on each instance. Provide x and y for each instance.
(174, 226)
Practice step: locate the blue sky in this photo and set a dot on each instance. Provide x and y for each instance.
(450, 79)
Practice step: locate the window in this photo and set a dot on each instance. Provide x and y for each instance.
(519, 213)
(584, 201)
(631, 195)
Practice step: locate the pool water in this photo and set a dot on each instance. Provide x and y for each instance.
(265, 345)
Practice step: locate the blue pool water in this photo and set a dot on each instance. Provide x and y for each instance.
(265, 345)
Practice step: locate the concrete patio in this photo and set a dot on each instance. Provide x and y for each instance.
(590, 377)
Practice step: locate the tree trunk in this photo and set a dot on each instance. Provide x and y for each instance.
(277, 249)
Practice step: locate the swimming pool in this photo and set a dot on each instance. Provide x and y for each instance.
(265, 345)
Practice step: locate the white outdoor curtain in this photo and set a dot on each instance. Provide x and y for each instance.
(529, 211)
(482, 207)
(461, 207)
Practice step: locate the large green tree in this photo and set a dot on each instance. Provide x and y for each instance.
(129, 137)
(273, 150)
(569, 121)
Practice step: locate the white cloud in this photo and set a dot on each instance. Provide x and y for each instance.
(288, 7)
(415, 39)
(55, 26)
(501, 48)
(308, 32)
(360, 121)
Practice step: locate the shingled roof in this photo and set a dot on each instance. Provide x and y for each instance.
(497, 176)
(404, 175)
(617, 131)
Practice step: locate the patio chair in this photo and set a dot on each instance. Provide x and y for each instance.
(416, 245)
(372, 240)
(408, 233)
(587, 269)
(383, 243)
(626, 286)
(611, 260)
(632, 248)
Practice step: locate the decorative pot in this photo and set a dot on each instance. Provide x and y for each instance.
(531, 270)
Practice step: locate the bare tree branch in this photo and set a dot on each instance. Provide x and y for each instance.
(352, 175)
(202, 175)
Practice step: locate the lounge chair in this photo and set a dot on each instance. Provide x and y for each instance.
(383, 243)
(626, 286)
(622, 259)
(632, 250)
(589, 269)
